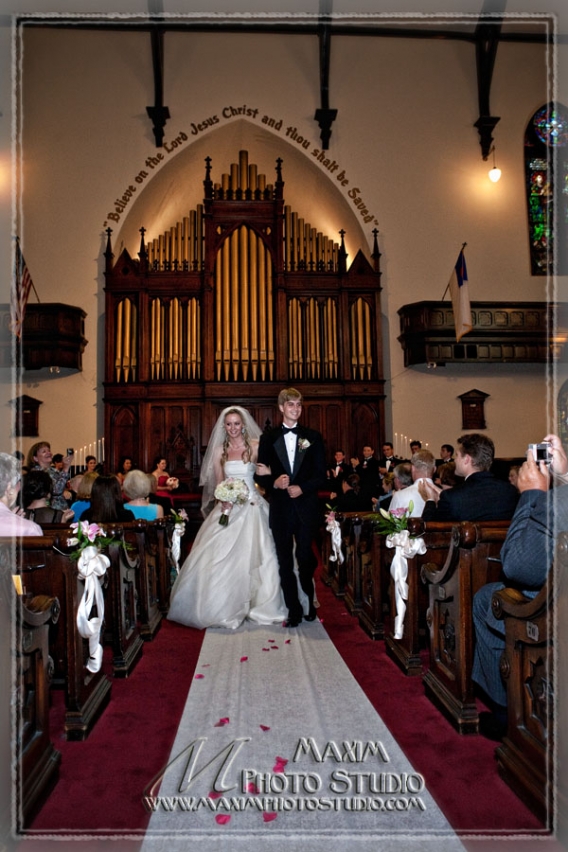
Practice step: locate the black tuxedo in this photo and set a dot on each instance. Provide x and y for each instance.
(335, 479)
(294, 520)
(394, 460)
(481, 497)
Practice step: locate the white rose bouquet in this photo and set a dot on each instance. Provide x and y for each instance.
(231, 491)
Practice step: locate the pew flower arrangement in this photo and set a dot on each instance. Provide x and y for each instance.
(232, 491)
(394, 524)
(180, 517)
(91, 567)
(392, 521)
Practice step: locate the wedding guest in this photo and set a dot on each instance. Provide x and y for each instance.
(402, 476)
(12, 524)
(90, 464)
(124, 466)
(481, 497)
(422, 465)
(57, 461)
(415, 446)
(383, 501)
(40, 457)
(136, 487)
(368, 472)
(446, 476)
(84, 489)
(388, 460)
(338, 471)
(106, 502)
(514, 475)
(36, 500)
(526, 557)
(351, 499)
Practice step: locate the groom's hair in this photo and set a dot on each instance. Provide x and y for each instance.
(287, 394)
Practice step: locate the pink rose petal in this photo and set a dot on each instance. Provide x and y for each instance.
(205, 665)
(224, 721)
(252, 788)
(268, 816)
(223, 819)
(244, 659)
(280, 764)
(266, 649)
(214, 795)
(287, 641)
(274, 648)
(272, 640)
(199, 676)
(264, 728)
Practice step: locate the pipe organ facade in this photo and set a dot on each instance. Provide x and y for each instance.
(238, 299)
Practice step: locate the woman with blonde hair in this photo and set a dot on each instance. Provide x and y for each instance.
(84, 489)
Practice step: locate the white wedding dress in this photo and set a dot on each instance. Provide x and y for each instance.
(231, 572)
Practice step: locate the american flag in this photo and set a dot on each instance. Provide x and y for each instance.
(21, 286)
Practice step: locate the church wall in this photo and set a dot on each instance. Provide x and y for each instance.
(404, 137)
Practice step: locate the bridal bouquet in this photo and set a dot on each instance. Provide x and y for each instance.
(231, 491)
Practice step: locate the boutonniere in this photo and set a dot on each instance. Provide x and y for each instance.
(303, 444)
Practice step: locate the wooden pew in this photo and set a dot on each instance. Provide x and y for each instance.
(374, 564)
(525, 758)
(472, 561)
(406, 651)
(46, 570)
(37, 761)
(122, 630)
(144, 537)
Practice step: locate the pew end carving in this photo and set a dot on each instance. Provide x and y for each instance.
(472, 561)
(525, 757)
(37, 760)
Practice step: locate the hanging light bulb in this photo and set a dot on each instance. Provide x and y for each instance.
(494, 173)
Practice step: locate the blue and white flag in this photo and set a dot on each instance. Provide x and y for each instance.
(460, 297)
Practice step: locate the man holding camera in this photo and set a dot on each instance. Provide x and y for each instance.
(526, 557)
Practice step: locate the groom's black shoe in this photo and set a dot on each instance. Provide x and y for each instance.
(292, 621)
(311, 616)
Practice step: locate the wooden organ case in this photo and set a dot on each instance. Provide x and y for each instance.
(237, 301)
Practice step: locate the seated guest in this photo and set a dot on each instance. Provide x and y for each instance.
(514, 474)
(402, 476)
(106, 502)
(445, 476)
(136, 487)
(40, 458)
(351, 500)
(73, 486)
(481, 497)
(84, 489)
(164, 502)
(90, 464)
(166, 483)
(384, 499)
(422, 465)
(11, 523)
(36, 500)
(526, 557)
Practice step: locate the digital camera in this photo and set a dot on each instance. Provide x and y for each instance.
(541, 452)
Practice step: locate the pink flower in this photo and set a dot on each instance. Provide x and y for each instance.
(268, 816)
(398, 513)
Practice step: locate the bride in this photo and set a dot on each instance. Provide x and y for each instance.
(231, 572)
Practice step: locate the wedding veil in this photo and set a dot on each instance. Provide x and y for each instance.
(207, 476)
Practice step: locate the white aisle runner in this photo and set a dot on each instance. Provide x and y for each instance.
(278, 747)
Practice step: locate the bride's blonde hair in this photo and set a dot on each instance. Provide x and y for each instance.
(247, 452)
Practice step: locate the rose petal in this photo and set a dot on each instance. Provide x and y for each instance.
(224, 721)
(214, 795)
(266, 649)
(274, 648)
(268, 816)
(199, 676)
(223, 819)
(287, 641)
(205, 665)
(244, 659)
(252, 788)
(272, 640)
(264, 728)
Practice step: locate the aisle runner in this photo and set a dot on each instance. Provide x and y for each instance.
(279, 745)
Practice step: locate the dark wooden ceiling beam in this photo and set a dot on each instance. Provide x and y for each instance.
(159, 113)
(324, 115)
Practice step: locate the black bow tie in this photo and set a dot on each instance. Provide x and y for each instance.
(287, 429)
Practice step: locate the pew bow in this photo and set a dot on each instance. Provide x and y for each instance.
(179, 529)
(92, 565)
(405, 548)
(334, 530)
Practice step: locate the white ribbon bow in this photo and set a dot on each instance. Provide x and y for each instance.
(406, 548)
(179, 529)
(91, 566)
(335, 530)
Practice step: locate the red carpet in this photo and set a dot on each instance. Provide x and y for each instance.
(101, 779)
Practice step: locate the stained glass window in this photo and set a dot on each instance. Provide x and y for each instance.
(546, 165)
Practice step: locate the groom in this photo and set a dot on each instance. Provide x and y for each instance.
(296, 457)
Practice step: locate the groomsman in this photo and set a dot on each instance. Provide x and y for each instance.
(338, 471)
(296, 458)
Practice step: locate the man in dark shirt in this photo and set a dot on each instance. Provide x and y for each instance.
(481, 497)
